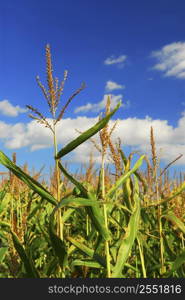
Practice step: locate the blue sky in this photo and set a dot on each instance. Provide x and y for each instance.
(133, 50)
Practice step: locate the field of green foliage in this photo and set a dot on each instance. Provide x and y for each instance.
(96, 224)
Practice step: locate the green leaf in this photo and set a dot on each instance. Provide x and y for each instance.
(93, 211)
(87, 251)
(29, 267)
(171, 217)
(6, 226)
(99, 187)
(35, 210)
(51, 267)
(128, 240)
(124, 158)
(32, 183)
(67, 214)
(74, 202)
(86, 263)
(168, 247)
(58, 246)
(86, 135)
(5, 201)
(176, 264)
(3, 251)
(124, 177)
(73, 180)
(97, 219)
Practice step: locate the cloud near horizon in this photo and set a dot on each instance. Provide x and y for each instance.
(7, 109)
(171, 60)
(97, 107)
(134, 132)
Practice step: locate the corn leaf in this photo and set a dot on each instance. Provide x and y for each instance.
(128, 241)
(86, 135)
(97, 219)
(87, 251)
(29, 267)
(3, 251)
(74, 181)
(124, 177)
(94, 211)
(67, 214)
(35, 210)
(86, 263)
(58, 246)
(5, 226)
(32, 183)
(172, 218)
(180, 260)
(76, 202)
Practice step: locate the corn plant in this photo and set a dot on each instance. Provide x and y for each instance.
(127, 224)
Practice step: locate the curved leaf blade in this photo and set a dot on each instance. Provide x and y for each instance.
(86, 263)
(124, 177)
(128, 241)
(93, 211)
(180, 260)
(31, 183)
(87, 251)
(175, 220)
(73, 180)
(58, 246)
(86, 135)
(29, 267)
(3, 251)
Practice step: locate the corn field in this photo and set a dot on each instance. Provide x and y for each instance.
(123, 222)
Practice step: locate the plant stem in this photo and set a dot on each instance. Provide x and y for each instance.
(59, 218)
(159, 212)
(105, 218)
(142, 259)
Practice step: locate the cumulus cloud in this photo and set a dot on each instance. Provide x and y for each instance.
(134, 132)
(111, 86)
(112, 60)
(97, 107)
(171, 60)
(7, 109)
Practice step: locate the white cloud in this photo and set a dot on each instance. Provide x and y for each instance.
(112, 60)
(133, 132)
(171, 60)
(97, 107)
(7, 109)
(111, 86)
